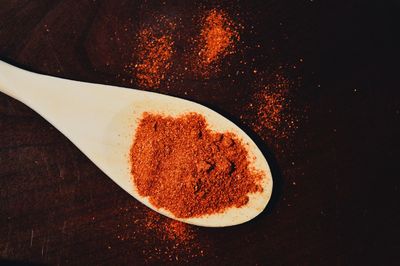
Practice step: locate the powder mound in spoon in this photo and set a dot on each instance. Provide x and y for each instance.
(184, 167)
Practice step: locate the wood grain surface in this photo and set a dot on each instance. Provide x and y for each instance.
(335, 200)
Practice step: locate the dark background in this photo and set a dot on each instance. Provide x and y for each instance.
(335, 199)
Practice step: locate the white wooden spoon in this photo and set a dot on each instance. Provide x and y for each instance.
(101, 120)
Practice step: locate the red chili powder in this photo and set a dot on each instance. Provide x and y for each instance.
(270, 109)
(168, 229)
(184, 167)
(159, 238)
(218, 35)
(152, 53)
(217, 38)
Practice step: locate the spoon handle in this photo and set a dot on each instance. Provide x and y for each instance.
(81, 111)
(44, 94)
(57, 100)
(16, 82)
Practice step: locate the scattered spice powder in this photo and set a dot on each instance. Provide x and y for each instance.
(218, 37)
(184, 167)
(270, 107)
(169, 229)
(160, 238)
(165, 51)
(180, 241)
(153, 53)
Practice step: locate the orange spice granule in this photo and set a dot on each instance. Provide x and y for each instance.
(153, 53)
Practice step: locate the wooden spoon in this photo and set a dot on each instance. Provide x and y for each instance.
(101, 120)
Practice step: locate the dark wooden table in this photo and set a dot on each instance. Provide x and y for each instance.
(335, 199)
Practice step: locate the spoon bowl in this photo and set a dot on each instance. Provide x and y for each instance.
(101, 121)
